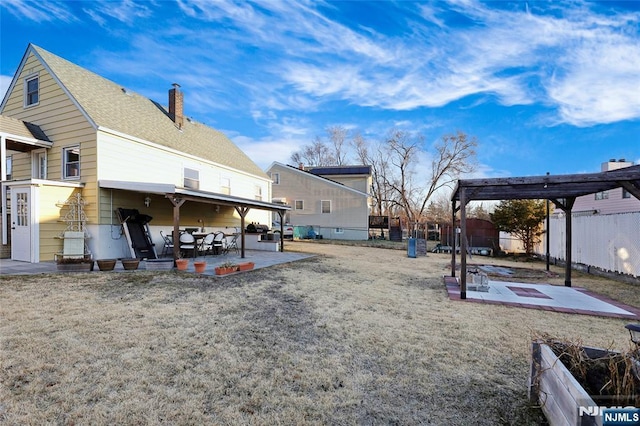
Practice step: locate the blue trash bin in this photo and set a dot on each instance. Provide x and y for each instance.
(411, 247)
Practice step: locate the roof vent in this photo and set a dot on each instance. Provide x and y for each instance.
(622, 160)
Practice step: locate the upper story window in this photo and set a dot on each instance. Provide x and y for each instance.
(325, 206)
(225, 186)
(299, 205)
(191, 178)
(275, 177)
(625, 193)
(71, 162)
(258, 192)
(602, 195)
(31, 90)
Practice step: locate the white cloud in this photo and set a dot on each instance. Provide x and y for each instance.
(5, 81)
(38, 11)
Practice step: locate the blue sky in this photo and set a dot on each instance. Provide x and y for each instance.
(544, 86)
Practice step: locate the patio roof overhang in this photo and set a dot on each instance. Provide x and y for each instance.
(562, 190)
(178, 196)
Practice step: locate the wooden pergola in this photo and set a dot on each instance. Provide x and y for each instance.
(561, 190)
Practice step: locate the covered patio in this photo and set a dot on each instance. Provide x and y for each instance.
(179, 196)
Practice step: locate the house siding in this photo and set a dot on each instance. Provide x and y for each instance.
(62, 122)
(613, 204)
(51, 215)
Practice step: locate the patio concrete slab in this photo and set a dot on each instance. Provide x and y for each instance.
(575, 300)
(262, 259)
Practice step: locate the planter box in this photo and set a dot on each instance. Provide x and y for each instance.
(225, 270)
(246, 266)
(159, 264)
(562, 399)
(75, 267)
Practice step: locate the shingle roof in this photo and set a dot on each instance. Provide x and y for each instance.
(109, 105)
(21, 128)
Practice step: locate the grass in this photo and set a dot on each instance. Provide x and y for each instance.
(355, 335)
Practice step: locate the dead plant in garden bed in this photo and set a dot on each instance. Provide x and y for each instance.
(611, 379)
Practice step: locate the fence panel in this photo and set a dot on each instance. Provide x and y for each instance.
(608, 242)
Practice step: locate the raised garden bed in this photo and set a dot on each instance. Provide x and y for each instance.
(569, 381)
(159, 264)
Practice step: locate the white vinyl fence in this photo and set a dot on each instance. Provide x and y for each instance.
(608, 242)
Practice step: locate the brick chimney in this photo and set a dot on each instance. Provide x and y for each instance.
(176, 104)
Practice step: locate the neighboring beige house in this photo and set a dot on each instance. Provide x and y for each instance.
(332, 200)
(65, 130)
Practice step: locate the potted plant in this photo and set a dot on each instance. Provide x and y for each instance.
(200, 266)
(226, 268)
(245, 266)
(130, 264)
(182, 264)
(106, 264)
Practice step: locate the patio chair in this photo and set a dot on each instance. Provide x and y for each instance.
(168, 244)
(188, 242)
(218, 243)
(232, 245)
(207, 245)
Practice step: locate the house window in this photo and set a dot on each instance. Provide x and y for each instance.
(603, 195)
(191, 178)
(71, 162)
(275, 177)
(299, 205)
(339, 230)
(31, 91)
(258, 191)
(625, 193)
(40, 164)
(225, 186)
(9, 167)
(325, 206)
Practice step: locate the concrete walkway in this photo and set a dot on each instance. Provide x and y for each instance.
(262, 259)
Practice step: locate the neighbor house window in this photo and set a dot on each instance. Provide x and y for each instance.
(31, 90)
(299, 205)
(339, 230)
(275, 177)
(258, 192)
(625, 193)
(71, 162)
(191, 178)
(325, 206)
(225, 186)
(603, 195)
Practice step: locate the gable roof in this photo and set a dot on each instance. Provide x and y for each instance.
(110, 106)
(314, 176)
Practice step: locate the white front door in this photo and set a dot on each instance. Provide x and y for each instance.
(21, 224)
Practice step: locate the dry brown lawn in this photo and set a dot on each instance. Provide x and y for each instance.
(357, 335)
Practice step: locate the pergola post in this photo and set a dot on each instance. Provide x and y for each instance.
(453, 238)
(463, 244)
(567, 275)
(281, 216)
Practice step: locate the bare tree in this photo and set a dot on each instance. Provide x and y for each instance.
(318, 153)
(338, 136)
